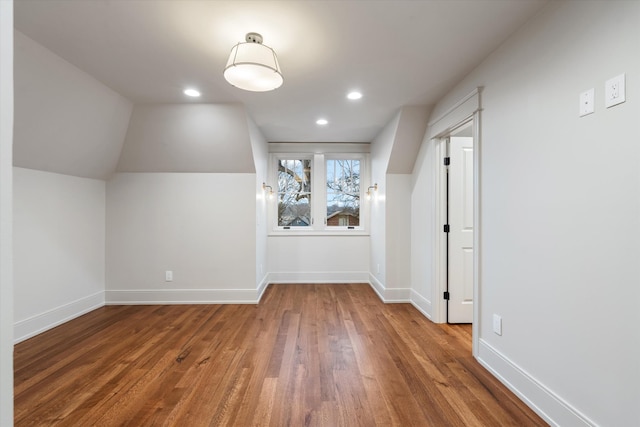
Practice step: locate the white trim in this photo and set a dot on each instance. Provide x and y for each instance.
(377, 286)
(32, 326)
(465, 104)
(389, 295)
(440, 271)
(315, 147)
(6, 212)
(551, 407)
(422, 304)
(318, 208)
(319, 277)
(397, 295)
(262, 287)
(300, 231)
(182, 296)
(462, 112)
(477, 231)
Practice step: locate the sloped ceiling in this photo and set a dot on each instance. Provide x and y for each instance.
(65, 121)
(410, 132)
(83, 67)
(397, 52)
(187, 138)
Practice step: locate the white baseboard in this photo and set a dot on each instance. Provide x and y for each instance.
(27, 328)
(389, 295)
(422, 304)
(377, 286)
(264, 284)
(319, 277)
(182, 296)
(397, 295)
(551, 407)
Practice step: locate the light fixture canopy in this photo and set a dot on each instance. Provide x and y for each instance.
(253, 66)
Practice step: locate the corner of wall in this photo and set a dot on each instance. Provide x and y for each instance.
(260, 151)
(6, 213)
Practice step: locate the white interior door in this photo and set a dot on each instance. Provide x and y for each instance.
(460, 245)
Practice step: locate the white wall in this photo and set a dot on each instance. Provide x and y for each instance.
(423, 229)
(397, 241)
(6, 213)
(200, 226)
(260, 150)
(393, 153)
(381, 148)
(65, 120)
(323, 259)
(59, 249)
(560, 213)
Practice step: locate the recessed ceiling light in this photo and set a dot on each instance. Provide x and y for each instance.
(192, 93)
(354, 95)
(322, 122)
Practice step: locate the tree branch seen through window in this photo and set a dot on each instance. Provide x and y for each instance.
(294, 193)
(343, 192)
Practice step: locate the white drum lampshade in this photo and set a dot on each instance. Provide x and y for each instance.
(253, 66)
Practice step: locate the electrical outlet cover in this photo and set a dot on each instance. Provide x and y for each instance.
(497, 324)
(587, 102)
(614, 91)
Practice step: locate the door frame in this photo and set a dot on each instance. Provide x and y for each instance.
(466, 110)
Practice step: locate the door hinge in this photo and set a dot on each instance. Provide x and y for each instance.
(446, 295)
(447, 161)
(446, 228)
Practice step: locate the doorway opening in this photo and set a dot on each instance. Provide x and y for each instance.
(462, 120)
(458, 165)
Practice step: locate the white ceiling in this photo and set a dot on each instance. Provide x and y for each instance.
(397, 53)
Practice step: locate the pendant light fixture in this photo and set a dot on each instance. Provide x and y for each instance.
(253, 66)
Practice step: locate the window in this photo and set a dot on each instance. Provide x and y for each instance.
(343, 192)
(294, 193)
(318, 193)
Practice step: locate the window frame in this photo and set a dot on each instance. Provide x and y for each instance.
(318, 203)
(276, 188)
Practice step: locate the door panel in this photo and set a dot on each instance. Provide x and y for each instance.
(467, 279)
(460, 252)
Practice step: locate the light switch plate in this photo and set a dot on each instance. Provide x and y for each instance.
(614, 91)
(587, 102)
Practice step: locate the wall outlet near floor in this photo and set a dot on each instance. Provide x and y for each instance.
(497, 324)
(168, 276)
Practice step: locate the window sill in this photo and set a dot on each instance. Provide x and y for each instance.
(286, 233)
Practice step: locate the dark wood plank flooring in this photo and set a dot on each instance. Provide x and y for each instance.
(307, 355)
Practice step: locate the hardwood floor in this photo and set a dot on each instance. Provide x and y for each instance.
(307, 355)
